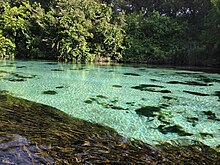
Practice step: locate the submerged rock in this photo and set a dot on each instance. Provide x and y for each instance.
(49, 136)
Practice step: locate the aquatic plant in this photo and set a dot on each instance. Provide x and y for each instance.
(42, 134)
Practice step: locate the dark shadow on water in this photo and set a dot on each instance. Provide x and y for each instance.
(32, 132)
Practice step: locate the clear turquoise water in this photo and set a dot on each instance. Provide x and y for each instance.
(110, 95)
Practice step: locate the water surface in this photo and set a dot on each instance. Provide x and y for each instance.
(150, 104)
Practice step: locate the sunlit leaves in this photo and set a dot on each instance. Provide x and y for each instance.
(7, 47)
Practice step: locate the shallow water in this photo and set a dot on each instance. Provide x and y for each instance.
(150, 104)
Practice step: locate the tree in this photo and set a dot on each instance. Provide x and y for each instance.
(153, 39)
(84, 30)
(6, 46)
(15, 25)
(211, 33)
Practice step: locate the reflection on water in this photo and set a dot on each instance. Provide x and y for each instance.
(150, 104)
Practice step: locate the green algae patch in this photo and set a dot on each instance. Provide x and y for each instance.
(57, 70)
(117, 86)
(159, 91)
(217, 93)
(130, 103)
(173, 129)
(105, 102)
(192, 120)
(147, 111)
(193, 83)
(163, 91)
(60, 87)
(168, 98)
(51, 63)
(20, 67)
(144, 87)
(187, 73)
(9, 66)
(151, 88)
(131, 74)
(164, 118)
(154, 80)
(15, 77)
(211, 115)
(88, 101)
(206, 79)
(44, 135)
(78, 68)
(49, 92)
(196, 93)
(205, 134)
(102, 96)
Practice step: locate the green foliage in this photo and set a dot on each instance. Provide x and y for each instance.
(153, 38)
(74, 30)
(83, 31)
(6, 47)
(15, 24)
(212, 31)
(160, 32)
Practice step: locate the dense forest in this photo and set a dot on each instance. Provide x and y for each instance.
(177, 32)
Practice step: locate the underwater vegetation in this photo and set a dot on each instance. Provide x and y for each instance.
(19, 67)
(117, 86)
(217, 93)
(49, 92)
(15, 77)
(60, 87)
(59, 70)
(148, 111)
(211, 115)
(194, 83)
(151, 88)
(105, 102)
(40, 134)
(173, 129)
(196, 93)
(131, 74)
